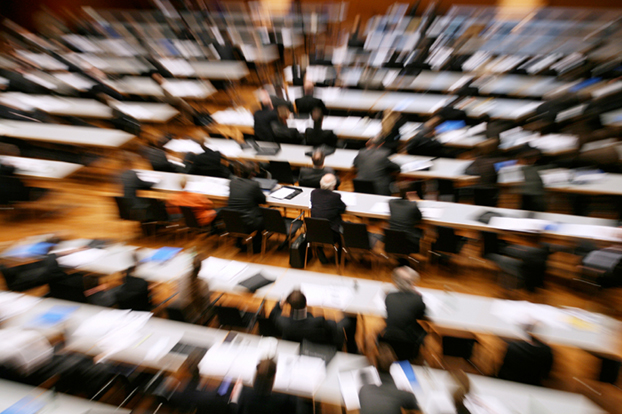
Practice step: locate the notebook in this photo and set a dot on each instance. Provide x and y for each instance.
(255, 282)
(163, 254)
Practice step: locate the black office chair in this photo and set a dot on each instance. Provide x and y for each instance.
(447, 191)
(157, 218)
(397, 244)
(32, 275)
(355, 237)
(458, 344)
(192, 224)
(485, 196)
(235, 227)
(364, 186)
(319, 234)
(275, 223)
(406, 347)
(447, 244)
(282, 172)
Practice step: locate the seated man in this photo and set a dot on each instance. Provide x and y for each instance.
(386, 398)
(282, 133)
(308, 102)
(207, 163)
(532, 188)
(405, 216)
(302, 325)
(12, 189)
(260, 398)
(373, 164)
(202, 207)
(263, 119)
(527, 361)
(317, 136)
(310, 177)
(405, 308)
(245, 195)
(327, 204)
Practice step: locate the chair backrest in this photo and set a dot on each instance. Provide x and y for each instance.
(282, 172)
(273, 221)
(123, 207)
(485, 196)
(228, 316)
(364, 186)
(396, 242)
(319, 231)
(458, 347)
(447, 241)
(355, 235)
(404, 346)
(234, 222)
(157, 210)
(446, 191)
(491, 243)
(189, 218)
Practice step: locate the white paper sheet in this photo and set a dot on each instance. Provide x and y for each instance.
(81, 258)
(520, 224)
(329, 296)
(299, 373)
(381, 207)
(282, 193)
(431, 213)
(13, 304)
(348, 198)
(351, 382)
(111, 320)
(222, 270)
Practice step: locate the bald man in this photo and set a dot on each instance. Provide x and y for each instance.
(308, 102)
(325, 203)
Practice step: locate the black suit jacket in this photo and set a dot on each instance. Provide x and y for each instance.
(251, 402)
(207, 163)
(12, 189)
(310, 177)
(132, 183)
(373, 164)
(306, 104)
(157, 159)
(405, 215)
(245, 195)
(404, 309)
(317, 137)
(263, 119)
(285, 135)
(314, 329)
(328, 204)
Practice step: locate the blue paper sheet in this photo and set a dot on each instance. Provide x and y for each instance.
(163, 254)
(53, 316)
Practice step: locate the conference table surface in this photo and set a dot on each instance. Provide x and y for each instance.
(40, 169)
(111, 65)
(498, 108)
(232, 70)
(164, 333)
(65, 134)
(144, 86)
(54, 403)
(91, 108)
(343, 159)
(438, 213)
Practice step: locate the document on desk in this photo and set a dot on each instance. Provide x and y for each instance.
(299, 373)
(68, 245)
(351, 383)
(348, 198)
(110, 320)
(590, 231)
(416, 166)
(555, 176)
(183, 146)
(523, 312)
(135, 111)
(283, 193)
(521, 224)
(222, 270)
(13, 304)
(431, 213)
(484, 404)
(149, 176)
(231, 360)
(381, 207)
(328, 296)
(81, 258)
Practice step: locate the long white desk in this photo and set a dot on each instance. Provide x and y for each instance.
(11, 393)
(111, 65)
(65, 134)
(90, 108)
(438, 213)
(206, 69)
(498, 107)
(144, 86)
(41, 169)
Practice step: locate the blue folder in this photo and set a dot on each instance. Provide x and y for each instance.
(29, 250)
(27, 405)
(449, 126)
(410, 374)
(53, 316)
(163, 254)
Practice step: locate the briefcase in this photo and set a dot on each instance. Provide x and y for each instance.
(297, 252)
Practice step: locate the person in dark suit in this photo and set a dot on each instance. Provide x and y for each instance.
(325, 203)
(527, 361)
(308, 102)
(132, 183)
(260, 399)
(156, 155)
(12, 189)
(423, 142)
(300, 324)
(317, 136)
(245, 195)
(532, 188)
(391, 123)
(263, 119)
(310, 177)
(385, 398)
(208, 163)
(373, 164)
(282, 133)
(405, 216)
(405, 308)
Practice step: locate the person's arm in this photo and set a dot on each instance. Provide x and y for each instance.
(390, 166)
(275, 316)
(342, 206)
(417, 213)
(260, 197)
(409, 402)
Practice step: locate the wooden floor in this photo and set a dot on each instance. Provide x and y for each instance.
(82, 206)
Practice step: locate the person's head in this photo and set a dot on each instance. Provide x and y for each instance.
(328, 182)
(183, 181)
(264, 377)
(247, 169)
(297, 300)
(405, 278)
(308, 87)
(264, 99)
(283, 113)
(385, 358)
(318, 117)
(318, 158)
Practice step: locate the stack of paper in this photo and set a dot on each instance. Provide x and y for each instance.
(12, 304)
(338, 297)
(522, 312)
(231, 360)
(521, 224)
(184, 145)
(416, 166)
(431, 213)
(299, 373)
(222, 270)
(351, 383)
(81, 258)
